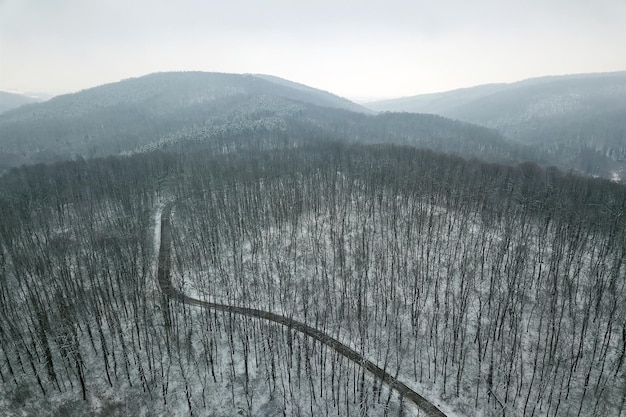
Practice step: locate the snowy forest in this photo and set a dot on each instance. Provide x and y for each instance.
(491, 290)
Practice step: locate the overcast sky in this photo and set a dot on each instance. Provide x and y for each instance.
(353, 48)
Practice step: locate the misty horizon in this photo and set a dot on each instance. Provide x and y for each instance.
(359, 99)
(373, 49)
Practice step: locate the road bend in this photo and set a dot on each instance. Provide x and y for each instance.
(164, 279)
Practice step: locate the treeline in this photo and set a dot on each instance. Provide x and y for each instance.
(497, 288)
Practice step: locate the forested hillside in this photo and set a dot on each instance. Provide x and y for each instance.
(574, 123)
(186, 111)
(489, 289)
(577, 120)
(123, 116)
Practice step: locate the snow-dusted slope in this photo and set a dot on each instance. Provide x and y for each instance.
(577, 120)
(129, 114)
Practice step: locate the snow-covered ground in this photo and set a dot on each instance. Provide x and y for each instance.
(323, 267)
(459, 303)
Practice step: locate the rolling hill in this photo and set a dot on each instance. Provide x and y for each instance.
(576, 120)
(223, 112)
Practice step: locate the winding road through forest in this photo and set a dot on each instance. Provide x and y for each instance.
(165, 283)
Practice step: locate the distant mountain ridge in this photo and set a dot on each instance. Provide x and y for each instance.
(457, 103)
(9, 101)
(579, 119)
(223, 112)
(183, 89)
(314, 92)
(187, 111)
(435, 103)
(123, 116)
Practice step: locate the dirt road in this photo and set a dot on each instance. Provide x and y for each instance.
(163, 274)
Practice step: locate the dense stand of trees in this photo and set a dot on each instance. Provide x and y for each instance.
(493, 288)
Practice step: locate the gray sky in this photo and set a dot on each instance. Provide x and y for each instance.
(356, 49)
